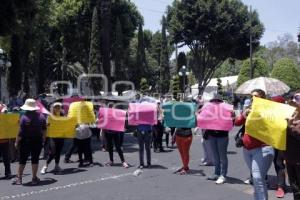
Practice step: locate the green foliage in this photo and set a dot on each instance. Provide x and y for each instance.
(229, 67)
(214, 30)
(144, 86)
(288, 72)
(175, 86)
(95, 54)
(164, 65)
(220, 86)
(260, 68)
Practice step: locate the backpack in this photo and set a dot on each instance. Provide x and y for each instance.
(239, 137)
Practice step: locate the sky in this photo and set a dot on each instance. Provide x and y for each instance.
(278, 16)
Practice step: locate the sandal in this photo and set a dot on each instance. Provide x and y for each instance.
(17, 181)
(179, 170)
(35, 181)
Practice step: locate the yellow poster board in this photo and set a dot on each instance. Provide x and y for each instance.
(83, 111)
(267, 122)
(61, 127)
(9, 126)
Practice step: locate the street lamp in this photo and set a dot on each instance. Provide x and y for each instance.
(183, 72)
(4, 64)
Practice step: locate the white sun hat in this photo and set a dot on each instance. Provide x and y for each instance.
(30, 105)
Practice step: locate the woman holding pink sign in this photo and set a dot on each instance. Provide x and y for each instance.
(218, 136)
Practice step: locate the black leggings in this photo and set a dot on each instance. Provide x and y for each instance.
(158, 136)
(114, 138)
(294, 177)
(56, 146)
(30, 146)
(84, 147)
(4, 152)
(280, 168)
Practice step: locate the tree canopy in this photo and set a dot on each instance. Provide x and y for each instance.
(214, 30)
(288, 72)
(260, 68)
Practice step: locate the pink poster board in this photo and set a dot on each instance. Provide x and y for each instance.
(112, 119)
(142, 113)
(42, 108)
(67, 102)
(215, 116)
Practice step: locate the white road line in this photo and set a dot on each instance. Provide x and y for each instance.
(26, 194)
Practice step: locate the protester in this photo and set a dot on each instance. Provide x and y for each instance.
(158, 131)
(208, 156)
(113, 138)
(258, 156)
(184, 138)
(5, 149)
(30, 139)
(56, 144)
(279, 162)
(293, 148)
(83, 143)
(219, 143)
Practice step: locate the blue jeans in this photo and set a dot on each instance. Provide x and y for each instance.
(259, 161)
(219, 147)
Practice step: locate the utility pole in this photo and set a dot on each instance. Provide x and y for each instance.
(251, 60)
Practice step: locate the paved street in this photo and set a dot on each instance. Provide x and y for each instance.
(117, 183)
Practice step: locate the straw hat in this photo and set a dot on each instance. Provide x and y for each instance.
(30, 105)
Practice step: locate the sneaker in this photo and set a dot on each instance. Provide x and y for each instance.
(183, 172)
(280, 193)
(57, 168)
(125, 165)
(221, 180)
(44, 170)
(248, 181)
(17, 181)
(109, 164)
(141, 167)
(8, 176)
(213, 178)
(35, 181)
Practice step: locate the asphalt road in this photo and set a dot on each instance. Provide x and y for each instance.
(117, 183)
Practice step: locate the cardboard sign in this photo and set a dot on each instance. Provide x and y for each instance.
(142, 113)
(9, 126)
(216, 116)
(112, 119)
(179, 114)
(67, 102)
(83, 111)
(61, 127)
(267, 122)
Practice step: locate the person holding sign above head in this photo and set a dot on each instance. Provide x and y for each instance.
(30, 139)
(257, 154)
(218, 134)
(56, 144)
(293, 147)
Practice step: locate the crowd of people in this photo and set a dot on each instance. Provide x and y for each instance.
(258, 156)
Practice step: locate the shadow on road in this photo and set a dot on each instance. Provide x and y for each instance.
(68, 171)
(231, 180)
(46, 181)
(194, 172)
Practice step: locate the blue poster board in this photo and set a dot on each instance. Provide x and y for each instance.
(179, 114)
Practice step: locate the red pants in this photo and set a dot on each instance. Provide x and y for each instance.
(183, 145)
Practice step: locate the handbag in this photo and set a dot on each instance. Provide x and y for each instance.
(239, 137)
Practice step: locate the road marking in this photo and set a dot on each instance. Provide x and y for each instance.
(71, 185)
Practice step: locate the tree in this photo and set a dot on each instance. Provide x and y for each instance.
(175, 86)
(229, 67)
(220, 86)
(214, 30)
(288, 72)
(95, 53)
(260, 68)
(141, 62)
(144, 86)
(164, 65)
